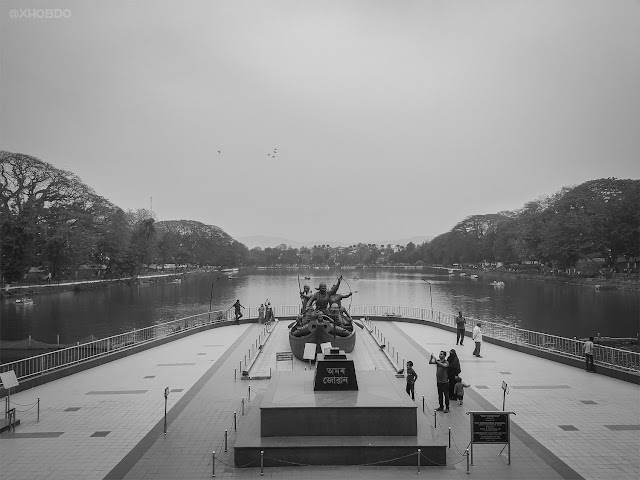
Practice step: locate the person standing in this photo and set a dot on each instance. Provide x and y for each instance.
(412, 376)
(261, 313)
(453, 370)
(588, 355)
(269, 312)
(460, 328)
(477, 337)
(237, 312)
(442, 380)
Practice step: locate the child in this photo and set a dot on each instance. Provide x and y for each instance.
(458, 388)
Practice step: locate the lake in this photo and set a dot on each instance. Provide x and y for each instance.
(560, 309)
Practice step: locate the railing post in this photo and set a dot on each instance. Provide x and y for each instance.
(226, 434)
(261, 462)
(213, 464)
(419, 461)
(466, 452)
(235, 422)
(38, 417)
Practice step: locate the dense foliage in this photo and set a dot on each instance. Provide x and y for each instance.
(50, 219)
(598, 221)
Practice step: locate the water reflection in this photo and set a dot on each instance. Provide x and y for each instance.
(553, 308)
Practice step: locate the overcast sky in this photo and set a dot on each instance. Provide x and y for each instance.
(390, 118)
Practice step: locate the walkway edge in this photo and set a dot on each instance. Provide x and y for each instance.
(135, 454)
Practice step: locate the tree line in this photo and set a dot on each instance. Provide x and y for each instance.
(50, 219)
(596, 221)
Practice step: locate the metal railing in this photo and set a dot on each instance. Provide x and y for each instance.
(29, 367)
(608, 356)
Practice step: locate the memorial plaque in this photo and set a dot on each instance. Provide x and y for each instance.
(335, 374)
(490, 427)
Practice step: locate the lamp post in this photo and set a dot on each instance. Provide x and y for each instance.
(430, 296)
(211, 296)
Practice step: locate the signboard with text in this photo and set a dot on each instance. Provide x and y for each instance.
(490, 427)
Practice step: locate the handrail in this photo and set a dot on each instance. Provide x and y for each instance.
(40, 364)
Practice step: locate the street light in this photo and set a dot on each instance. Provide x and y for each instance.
(211, 297)
(430, 296)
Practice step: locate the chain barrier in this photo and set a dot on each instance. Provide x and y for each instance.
(27, 405)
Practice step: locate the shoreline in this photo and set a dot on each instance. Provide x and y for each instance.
(601, 283)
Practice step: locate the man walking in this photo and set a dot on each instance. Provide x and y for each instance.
(412, 376)
(460, 323)
(477, 337)
(238, 313)
(442, 379)
(588, 355)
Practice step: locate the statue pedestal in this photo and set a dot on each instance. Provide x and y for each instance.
(335, 372)
(294, 423)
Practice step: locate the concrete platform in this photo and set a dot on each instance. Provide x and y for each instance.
(290, 407)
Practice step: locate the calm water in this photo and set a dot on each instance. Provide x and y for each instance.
(558, 309)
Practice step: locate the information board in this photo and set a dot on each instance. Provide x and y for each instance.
(309, 351)
(490, 427)
(282, 356)
(9, 379)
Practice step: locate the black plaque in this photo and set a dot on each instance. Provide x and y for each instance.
(335, 374)
(490, 427)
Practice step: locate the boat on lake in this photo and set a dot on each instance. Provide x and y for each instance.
(321, 330)
(497, 284)
(24, 301)
(473, 277)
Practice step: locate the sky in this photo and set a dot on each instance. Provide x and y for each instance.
(333, 119)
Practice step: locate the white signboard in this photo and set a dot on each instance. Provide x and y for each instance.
(309, 351)
(9, 379)
(324, 346)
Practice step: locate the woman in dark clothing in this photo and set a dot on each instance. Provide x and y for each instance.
(453, 371)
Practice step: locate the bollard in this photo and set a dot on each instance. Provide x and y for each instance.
(249, 395)
(235, 421)
(261, 462)
(435, 419)
(213, 464)
(240, 369)
(418, 461)
(235, 374)
(226, 434)
(449, 437)
(422, 403)
(242, 405)
(466, 452)
(403, 363)
(397, 358)
(38, 417)
(249, 354)
(245, 360)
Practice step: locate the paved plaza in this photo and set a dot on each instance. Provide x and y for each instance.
(108, 421)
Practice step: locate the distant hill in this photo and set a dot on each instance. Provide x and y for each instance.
(264, 241)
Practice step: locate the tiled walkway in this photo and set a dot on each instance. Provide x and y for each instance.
(108, 421)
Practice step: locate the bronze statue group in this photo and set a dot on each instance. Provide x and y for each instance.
(325, 304)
